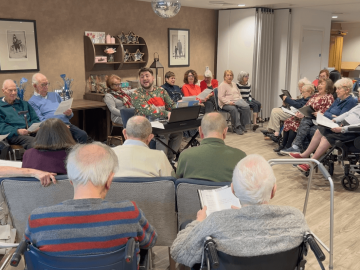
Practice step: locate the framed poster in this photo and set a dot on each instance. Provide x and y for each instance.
(179, 47)
(18, 46)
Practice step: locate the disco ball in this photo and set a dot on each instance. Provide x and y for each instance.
(166, 9)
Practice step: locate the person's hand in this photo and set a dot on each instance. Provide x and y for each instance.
(201, 214)
(299, 115)
(179, 100)
(45, 177)
(232, 103)
(336, 129)
(68, 126)
(68, 112)
(334, 115)
(284, 97)
(23, 131)
(234, 207)
(315, 113)
(169, 113)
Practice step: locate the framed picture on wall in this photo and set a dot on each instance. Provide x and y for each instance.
(18, 46)
(179, 47)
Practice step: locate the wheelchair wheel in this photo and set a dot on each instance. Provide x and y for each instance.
(350, 182)
(280, 140)
(331, 167)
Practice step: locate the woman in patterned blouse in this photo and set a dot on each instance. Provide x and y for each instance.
(320, 102)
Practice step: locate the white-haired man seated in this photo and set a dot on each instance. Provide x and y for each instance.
(253, 230)
(136, 159)
(87, 224)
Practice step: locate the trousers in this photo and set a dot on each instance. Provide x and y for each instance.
(305, 129)
(79, 135)
(254, 105)
(277, 115)
(240, 116)
(173, 140)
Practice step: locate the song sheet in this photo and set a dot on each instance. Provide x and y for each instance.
(64, 106)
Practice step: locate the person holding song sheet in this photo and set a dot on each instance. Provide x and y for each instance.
(255, 229)
(325, 137)
(12, 117)
(319, 102)
(45, 104)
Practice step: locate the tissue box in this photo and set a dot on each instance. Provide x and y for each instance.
(100, 59)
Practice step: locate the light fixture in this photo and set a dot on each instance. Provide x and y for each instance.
(159, 70)
(334, 17)
(241, 5)
(166, 9)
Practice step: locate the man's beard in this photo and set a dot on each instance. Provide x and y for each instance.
(147, 88)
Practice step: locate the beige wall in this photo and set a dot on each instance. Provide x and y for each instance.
(61, 25)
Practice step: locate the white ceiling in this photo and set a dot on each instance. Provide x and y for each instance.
(346, 10)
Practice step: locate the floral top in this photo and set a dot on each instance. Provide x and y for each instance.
(154, 103)
(320, 105)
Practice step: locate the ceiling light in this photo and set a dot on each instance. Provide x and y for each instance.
(334, 17)
(166, 9)
(241, 5)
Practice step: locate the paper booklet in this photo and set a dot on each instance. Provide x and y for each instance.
(321, 120)
(181, 104)
(218, 199)
(292, 110)
(204, 94)
(157, 124)
(2, 137)
(64, 106)
(34, 127)
(307, 111)
(191, 98)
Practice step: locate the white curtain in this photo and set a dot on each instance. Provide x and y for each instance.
(262, 63)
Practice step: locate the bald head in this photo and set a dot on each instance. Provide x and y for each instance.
(93, 162)
(138, 127)
(213, 125)
(8, 84)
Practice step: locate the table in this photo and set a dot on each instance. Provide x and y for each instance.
(91, 120)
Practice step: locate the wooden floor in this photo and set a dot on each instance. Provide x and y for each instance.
(291, 189)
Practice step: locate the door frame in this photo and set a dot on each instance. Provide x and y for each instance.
(311, 28)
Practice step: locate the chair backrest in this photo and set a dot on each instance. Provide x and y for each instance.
(286, 260)
(23, 195)
(216, 94)
(155, 196)
(126, 114)
(37, 260)
(187, 198)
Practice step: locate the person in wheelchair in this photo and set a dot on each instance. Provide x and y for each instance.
(87, 224)
(253, 230)
(325, 137)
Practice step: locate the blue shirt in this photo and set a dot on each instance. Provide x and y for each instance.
(45, 107)
(297, 103)
(341, 106)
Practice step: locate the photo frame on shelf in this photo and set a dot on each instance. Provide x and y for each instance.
(96, 37)
(179, 47)
(18, 46)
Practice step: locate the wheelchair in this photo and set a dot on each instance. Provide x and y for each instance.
(288, 260)
(124, 259)
(349, 158)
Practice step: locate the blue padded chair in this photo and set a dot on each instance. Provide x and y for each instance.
(124, 259)
(226, 114)
(187, 198)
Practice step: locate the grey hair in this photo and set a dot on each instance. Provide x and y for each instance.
(304, 81)
(208, 73)
(34, 78)
(253, 180)
(213, 122)
(84, 164)
(5, 82)
(307, 87)
(345, 83)
(241, 76)
(138, 127)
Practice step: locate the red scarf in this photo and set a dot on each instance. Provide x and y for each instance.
(126, 99)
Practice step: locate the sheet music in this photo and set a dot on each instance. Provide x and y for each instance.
(204, 94)
(352, 119)
(157, 124)
(34, 127)
(64, 106)
(324, 121)
(2, 137)
(189, 98)
(287, 111)
(218, 199)
(17, 164)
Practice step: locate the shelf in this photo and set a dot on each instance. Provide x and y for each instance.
(108, 63)
(106, 44)
(135, 62)
(134, 44)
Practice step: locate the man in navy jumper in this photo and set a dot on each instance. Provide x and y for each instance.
(45, 104)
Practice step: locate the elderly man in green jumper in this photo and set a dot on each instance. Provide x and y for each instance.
(212, 160)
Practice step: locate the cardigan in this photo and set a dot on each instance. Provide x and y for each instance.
(252, 230)
(340, 106)
(228, 93)
(174, 91)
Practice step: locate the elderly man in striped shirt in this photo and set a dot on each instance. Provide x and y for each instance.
(88, 224)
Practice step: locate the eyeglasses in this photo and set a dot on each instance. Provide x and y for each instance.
(43, 85)
(190, 76)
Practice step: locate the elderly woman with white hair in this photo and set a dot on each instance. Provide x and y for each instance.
(277, 114)
(245, 90)
(342, 104)
(255, 229)
(208, 82)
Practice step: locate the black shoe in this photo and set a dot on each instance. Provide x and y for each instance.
(265, 132)
(255, 127)
(274, 138)
(243, 128)
(239, 131)
(278, 149)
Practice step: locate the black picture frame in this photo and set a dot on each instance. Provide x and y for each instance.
(18, 46)
(179, 47)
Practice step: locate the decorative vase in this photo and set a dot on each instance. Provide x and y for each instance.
(110, 58)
